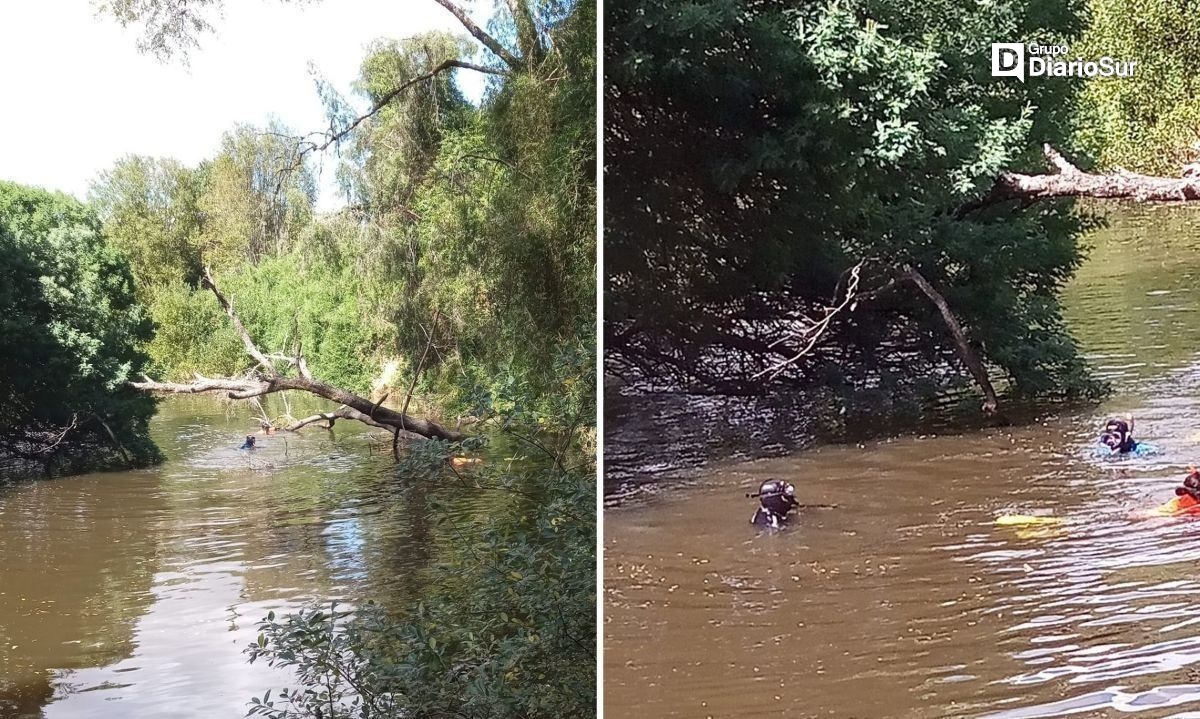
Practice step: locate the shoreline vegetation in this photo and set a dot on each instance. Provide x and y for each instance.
(860, 217)
(458, 281)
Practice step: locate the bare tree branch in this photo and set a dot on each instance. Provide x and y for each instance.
(477, 32)
(247, 342)
(335, 136)
(340, 413)
(61, 435)
(113, 436)
(812, 330)
(251, 387)
(271, 381)
(965, 351)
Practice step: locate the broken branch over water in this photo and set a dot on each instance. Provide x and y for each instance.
(268, 380)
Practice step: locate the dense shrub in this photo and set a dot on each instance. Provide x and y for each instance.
(71, 335)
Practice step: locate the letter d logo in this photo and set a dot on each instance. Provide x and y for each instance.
(1008, 60)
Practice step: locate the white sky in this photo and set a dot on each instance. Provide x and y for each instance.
(76, 95)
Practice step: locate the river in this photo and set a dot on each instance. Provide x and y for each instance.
(907, 600)
(133, 594)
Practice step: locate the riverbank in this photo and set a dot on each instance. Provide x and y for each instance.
(1129, 307)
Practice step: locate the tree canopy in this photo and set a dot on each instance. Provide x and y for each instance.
(757, 152)
(468, 238)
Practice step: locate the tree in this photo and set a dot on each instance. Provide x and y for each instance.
(150, 209)
(481, 217)
(757, 152)
(1149, 122)
(73, 334)
(257, 195)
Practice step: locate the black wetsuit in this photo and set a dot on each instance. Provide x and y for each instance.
(766, 519)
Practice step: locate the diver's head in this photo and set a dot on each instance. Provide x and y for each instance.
(1191, 485)
(1117, 426)
(1112, 440)
(777, 496)
(249, 440)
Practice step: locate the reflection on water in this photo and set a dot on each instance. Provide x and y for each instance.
(132, 594)
(907, 600)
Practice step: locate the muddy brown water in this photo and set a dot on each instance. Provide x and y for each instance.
(133, 594)
(907, 600)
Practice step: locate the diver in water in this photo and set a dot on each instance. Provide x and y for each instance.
(249, 443)
(776, 499)
(1186, 501)
(1118, 435)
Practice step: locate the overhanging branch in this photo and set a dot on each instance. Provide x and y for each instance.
(477, 32)
(334, 137)
(271, 380)
(1069, 181)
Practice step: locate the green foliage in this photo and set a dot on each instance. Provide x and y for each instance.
(470, 241)
(151, 213)
(258, 195)
(282, 306)
(484, 217)
(757, 151)
(193, 335)
(72, 330)
(508, 629)
(1149, 122)
(169, 26)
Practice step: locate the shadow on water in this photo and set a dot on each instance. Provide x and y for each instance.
(907, 600)
(132, 594)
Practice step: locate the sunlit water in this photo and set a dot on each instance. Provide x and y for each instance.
(906, 600)
(133, 594)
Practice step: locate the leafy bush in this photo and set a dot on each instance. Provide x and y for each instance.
(72, 334)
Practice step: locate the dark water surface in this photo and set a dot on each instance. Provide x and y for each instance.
(907, 600)
(132, 594)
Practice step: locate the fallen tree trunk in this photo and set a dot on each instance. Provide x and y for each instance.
(1070, 181)
(270, 380)
(364, 409)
